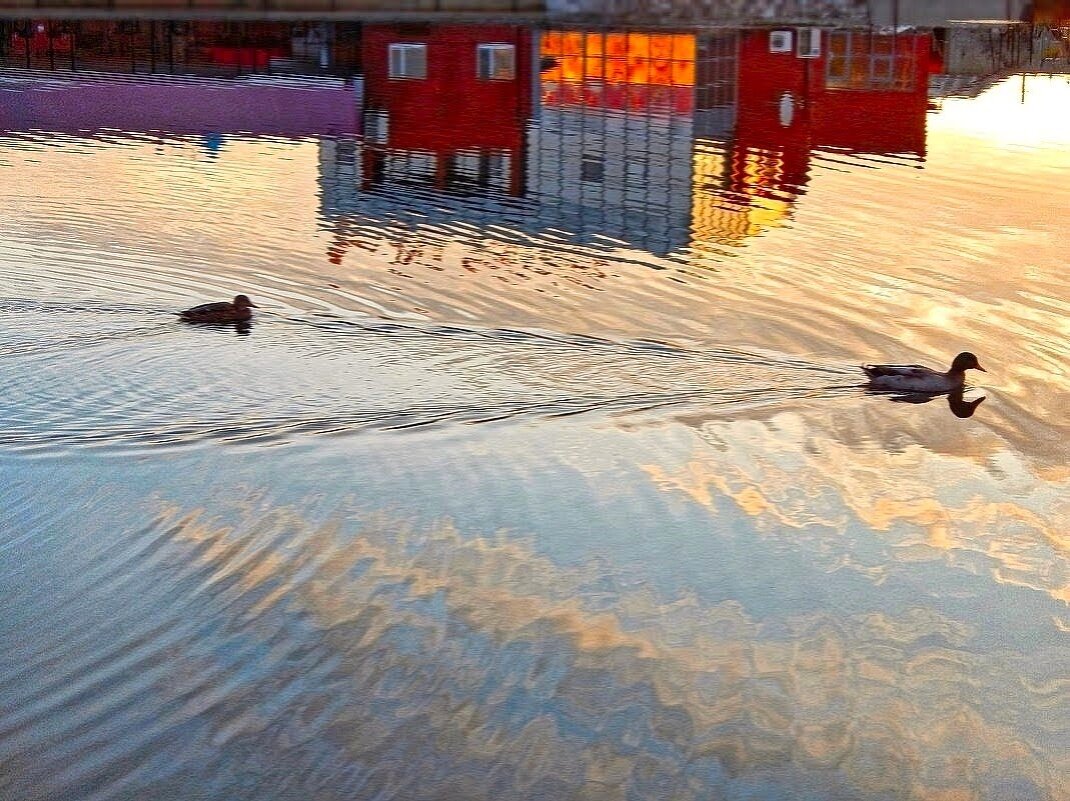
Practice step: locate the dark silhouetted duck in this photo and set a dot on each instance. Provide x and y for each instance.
(915, 378)
(236, 311)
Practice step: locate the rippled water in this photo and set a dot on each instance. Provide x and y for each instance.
(561, 487)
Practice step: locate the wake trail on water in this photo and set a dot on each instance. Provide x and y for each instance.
(116, 378)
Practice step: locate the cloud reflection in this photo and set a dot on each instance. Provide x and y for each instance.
(816, 473)
(382, 658)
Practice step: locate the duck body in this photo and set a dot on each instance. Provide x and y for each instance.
(912, 378)
(917, 378)
(238, 310)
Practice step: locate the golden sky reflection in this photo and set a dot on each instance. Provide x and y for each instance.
(800, 475)
(176, 220)
(966, 252)
(937, 490)
(1005, 115)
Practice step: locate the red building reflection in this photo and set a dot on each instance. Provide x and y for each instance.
(854, 91)
(864, 93)
(446, 105)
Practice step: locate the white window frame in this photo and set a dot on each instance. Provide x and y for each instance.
(399, 57)
(808, 42)
(882, 65)
(492, 49)
(377, 126)
(781, 41)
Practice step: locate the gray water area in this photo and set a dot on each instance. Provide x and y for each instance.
(510, 490)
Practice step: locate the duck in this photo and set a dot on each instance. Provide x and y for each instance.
(916, 378)
(234, 311)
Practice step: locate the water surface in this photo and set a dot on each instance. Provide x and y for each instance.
(544, 470)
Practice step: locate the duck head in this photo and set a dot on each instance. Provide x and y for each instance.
(243, 302)
(966, 361)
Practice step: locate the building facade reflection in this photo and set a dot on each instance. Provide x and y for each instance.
(611, 144)
(209, 78)
(213, 47)
(447, 105)
(445, 117)
(854, 91)
(674, 144)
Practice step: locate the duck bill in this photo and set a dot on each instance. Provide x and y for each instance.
(983, 370)
(253, 305)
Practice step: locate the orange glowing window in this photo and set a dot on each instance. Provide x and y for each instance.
(634, 58)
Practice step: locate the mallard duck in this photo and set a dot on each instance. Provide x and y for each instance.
(915, 378)
(235, 311)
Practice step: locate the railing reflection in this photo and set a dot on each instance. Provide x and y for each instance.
(291, 6)
(204, 47)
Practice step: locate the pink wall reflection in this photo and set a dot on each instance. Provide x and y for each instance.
(182, 108)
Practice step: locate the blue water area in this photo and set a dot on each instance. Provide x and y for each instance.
(544, 468)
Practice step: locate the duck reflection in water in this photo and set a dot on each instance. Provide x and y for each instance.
(959, 405)
(240, 327)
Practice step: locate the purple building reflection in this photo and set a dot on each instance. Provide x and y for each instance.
(255, 105)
